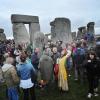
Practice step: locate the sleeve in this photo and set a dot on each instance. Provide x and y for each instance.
(33, 71)
(33, 68)
(40, 63)
(68, 53)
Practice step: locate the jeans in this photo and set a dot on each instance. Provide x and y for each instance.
(12, 93)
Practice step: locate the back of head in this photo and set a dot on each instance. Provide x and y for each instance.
(23, 57)
(9, 60)
(78, 44)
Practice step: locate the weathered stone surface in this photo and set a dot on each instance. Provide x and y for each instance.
(81, 32)
(91, 31)
(33, 28)
(48, 36)
(90, 27)
(26, 19)
(1, 30)
(39, 40)
(61, 30)
(73, 36)
(2, 35)
(20, 33)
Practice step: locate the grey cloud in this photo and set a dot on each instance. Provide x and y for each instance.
(80, 12)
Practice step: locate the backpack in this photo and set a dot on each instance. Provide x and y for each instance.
(79, 55)
(90, 37)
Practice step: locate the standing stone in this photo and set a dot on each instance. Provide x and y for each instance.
(20, 33)
(1, 30)
(81, 32)
(61, 30)
(90, 27)
(90, 34)
(39, 41)
(33, 29)
(73, 36)
(2, 35)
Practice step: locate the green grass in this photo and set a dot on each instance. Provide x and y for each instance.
(77, 92)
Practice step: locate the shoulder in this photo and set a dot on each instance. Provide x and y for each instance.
(18, 65)
(65, 57)
(42, 57)
(50, 58)
(12, 69)
(29, 65)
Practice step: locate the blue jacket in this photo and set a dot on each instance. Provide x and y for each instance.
(25, 70)
(79, 56)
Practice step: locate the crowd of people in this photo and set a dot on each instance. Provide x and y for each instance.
(23, 68)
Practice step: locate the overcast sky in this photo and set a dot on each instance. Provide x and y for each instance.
(80, 12)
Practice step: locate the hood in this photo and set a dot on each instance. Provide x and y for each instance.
(6, 67)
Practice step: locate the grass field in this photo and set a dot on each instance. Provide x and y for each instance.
(77, 92)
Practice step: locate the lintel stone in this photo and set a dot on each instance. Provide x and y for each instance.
(26, 19)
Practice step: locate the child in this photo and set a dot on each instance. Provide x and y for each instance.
(92, 69)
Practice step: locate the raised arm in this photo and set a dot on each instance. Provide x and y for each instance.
(68, 54)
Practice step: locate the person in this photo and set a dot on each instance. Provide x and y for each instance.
(1, 64)
(28, 56)
(69, 60)
(62, 74)
(93, 73)
(11, 79)
(55, 57)
(59, 46)
(25, 72)
(2, 47)
(46, 69)
(17, 52)
(35, 63)
(73, 52)
(35, 58)
(29, 48)
(79, 57)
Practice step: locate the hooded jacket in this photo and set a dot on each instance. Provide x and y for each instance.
(10, 75)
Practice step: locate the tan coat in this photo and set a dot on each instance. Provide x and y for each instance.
(10, 75)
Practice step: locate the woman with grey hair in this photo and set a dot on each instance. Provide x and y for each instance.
(46, 68)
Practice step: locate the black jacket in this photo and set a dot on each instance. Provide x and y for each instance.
(93, 67)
